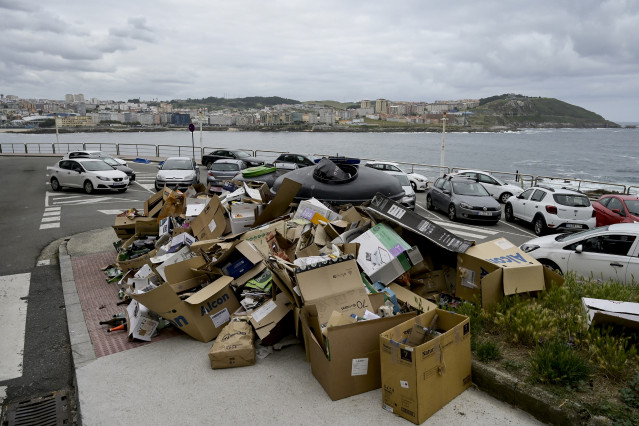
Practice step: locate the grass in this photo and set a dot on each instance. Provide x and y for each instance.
(546, 341)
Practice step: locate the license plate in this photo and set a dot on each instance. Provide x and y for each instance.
(573, 225)
(485, 214)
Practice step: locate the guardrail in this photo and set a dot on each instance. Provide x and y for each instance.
(429, 170)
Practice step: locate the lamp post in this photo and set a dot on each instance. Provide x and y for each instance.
(441, 160)
(192, 128)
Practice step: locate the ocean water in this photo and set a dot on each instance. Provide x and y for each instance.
(605, 155)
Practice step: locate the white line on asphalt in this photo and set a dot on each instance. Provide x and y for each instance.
(85, 201)
(13, 318)
(468, 228)
(49, 225)
(52, 209)
(52, 213)
(520, 230)
(467, 234)
(111, 211)
(51, 219)
(43, 262)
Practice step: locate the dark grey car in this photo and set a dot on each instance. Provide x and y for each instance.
(463, 198)
(223, 170)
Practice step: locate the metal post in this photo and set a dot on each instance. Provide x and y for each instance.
(201, 148)
(441, 160)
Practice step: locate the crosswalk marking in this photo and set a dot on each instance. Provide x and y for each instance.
(54, 213)
(465, 230)
(111, 212)
(49, 225)
(465, 227)
(51, 219)
(13, 317)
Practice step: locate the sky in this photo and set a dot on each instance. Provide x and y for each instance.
(584, 52)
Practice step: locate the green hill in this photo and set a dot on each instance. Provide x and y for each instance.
(522, 111)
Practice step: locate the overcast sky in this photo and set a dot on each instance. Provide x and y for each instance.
(584, 52)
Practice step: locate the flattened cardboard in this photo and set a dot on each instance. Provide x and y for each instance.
(353, 366)
(211, 222)
(153, 204)
(418, 381)
(414, 301)
(497, 268)
(184, 270)
(257, 236)
(385, 207)
(202, 315)
(602, 311)
(280, 203)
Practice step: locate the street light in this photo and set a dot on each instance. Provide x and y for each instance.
(441, 160)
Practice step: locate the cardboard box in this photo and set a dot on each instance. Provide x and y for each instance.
(202, 315)
(125, 228)
(418, 381)
(383, 255)
(233, 347)
(258, 236)
(334, 287)
(414, 301)
(273, 320)
(314, 210)
(257, 191)
(614, 312)
(353, 364)
(239, 258)
(139, 324)
(138, 262)
(498, 268)
(211, 222)
(242, 216)
(280, 204)
(153, 205)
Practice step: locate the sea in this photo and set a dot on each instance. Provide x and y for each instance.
(600, 155)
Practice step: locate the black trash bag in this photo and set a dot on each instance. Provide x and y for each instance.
(327, 169)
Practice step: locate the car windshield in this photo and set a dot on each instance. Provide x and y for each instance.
(224, 167)
(110, 161)
(403, 180)
(572, 200)
(241, 154)
(633, 207)
(96, 166)
(578, 235)
(469, 188)
(177, 165)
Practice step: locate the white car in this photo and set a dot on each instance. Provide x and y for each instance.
(417, 181)
(500, 190)
(87, 173)
(609, 252)
(409, 197)
(91, 154)
(177, 172)
(550, 209)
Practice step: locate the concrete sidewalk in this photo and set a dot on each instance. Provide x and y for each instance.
(171, 382)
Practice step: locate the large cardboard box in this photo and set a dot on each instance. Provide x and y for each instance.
(138, 262)
(352, 366)
(202, 315)
(498, 268)
(211, 222)
(242, 216)
(418, 381)
(383, 255)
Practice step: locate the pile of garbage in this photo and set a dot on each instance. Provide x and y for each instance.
(363, 286)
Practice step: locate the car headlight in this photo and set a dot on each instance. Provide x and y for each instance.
(465, 206)
(103, 178)
(527, 248)
(191, 176)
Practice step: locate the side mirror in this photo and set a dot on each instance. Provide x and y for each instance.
(618, 212)
(159, 167)
(579, 248)
(447, 192)
(520, 196)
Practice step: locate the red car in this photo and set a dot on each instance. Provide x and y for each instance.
(616, 209)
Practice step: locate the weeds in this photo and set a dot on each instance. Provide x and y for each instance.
(558, 363)
(487, 351)
(630, 395)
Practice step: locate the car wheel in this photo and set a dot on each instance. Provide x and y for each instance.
(429, 203)
(508, 213)
(539, 226)
(504, 197)
(551, 265)
(55, 185)
(412, 184)
(88, 186)
(452, 212)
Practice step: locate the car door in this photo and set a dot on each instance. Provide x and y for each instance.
(605, 256)
(632, 273)
(76, 177)
(519, 205)
(64, 171)
(492, 186)
(614, 212)
(534, 204)
(443, 196)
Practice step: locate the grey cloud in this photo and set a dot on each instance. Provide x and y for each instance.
(135, 29)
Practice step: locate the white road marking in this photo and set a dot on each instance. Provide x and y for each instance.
(13, 319)
(52, 209)
(51, 219)
(49, 225)
(468, 228)
(54, 213)
(116, 212)
(43, 262)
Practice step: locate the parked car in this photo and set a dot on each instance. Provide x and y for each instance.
(408, 199)
(87, 173)
(613, 208)
(417, 181)
(609, 252)
(223, 170)
(234, 154)
(177, 172)
(299, 159)
(118, 166)
(92, 154)
(496, 187)
(463, 198)
(551, 209)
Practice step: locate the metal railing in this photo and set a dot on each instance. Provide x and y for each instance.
(429, 170)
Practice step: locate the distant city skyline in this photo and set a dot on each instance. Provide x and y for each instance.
(583, 53)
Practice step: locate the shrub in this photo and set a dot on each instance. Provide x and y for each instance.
(527, 323)
(630, 395)
(556, 362)
(487, 351)
(612, 353)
